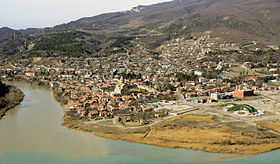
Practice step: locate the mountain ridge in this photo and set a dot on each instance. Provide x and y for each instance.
(229, 20)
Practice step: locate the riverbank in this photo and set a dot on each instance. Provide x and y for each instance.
(200, 132)
(217, 132)
(35, 126)
(42, 138)
(205, 129)
(197, 131)
(10, 98)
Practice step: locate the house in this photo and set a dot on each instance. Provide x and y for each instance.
(269, 88)
(103, 113)
(204, 66)
(215, 96)
(93, 113)
(67, 75)
(146, 109)
(157, 115)
(213, 80)
(83, 114)
(30, 74)
(202, 79)
(199, 73)
(272, 69)
(191, 94)
(251, 78)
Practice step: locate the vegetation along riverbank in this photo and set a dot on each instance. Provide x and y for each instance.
(10, 96)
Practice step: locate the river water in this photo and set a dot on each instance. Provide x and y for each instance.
(31, 133)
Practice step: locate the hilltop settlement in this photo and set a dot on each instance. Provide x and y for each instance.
(190, 93)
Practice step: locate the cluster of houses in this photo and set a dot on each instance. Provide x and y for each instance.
(93, 87)
(93, 100)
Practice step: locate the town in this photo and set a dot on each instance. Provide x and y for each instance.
(155, 81)
(138, 87)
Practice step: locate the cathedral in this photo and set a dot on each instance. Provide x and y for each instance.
(119, 87)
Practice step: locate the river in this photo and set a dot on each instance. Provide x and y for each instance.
(31, 133)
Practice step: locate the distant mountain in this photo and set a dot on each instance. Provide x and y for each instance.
(138, 16)
(31, 30)
(252, 18)
(229, 20)
(6, 32)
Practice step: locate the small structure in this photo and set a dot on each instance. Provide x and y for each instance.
(67, 76)
(30, 74)
(215, 96)
(147, 109)
(202, 79)
(251, 78)
(199, 73)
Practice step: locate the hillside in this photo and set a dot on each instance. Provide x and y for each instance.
(10, 96)
(252, 18)
(6, 32)
(3, 89)
(228, 20)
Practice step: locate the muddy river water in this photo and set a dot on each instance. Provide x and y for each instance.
(32, 133)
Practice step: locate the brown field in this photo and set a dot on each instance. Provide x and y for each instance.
(271, 125)
(196, 132)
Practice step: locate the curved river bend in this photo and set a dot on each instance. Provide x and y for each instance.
(32, 133)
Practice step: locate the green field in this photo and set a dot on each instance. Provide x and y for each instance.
(240, 107)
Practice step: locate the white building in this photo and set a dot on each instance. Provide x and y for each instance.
(30, 74)
(67, 75)
(199, 73)
(215, 96)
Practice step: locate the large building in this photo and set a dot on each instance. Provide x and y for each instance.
(243, 93)
(119, 87)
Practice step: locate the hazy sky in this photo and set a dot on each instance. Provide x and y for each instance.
(19, 14)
